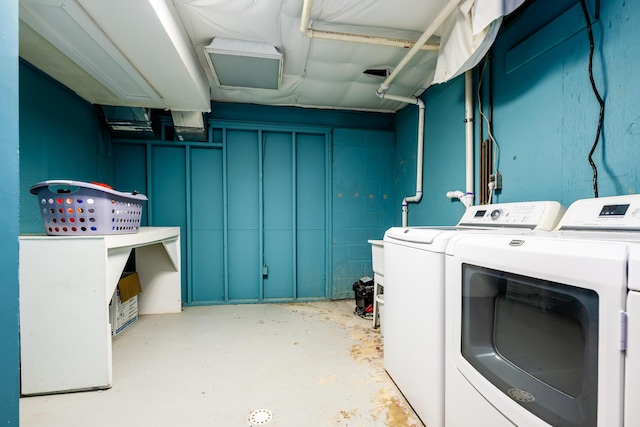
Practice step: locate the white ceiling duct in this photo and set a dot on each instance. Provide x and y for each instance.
(241, 63)
(189, 125)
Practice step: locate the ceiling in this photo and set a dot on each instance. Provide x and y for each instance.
(150, 53)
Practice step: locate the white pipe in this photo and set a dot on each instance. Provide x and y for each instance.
(306, 30)
(468, 120)
(419, 162)
(467, 197)
(430, 31)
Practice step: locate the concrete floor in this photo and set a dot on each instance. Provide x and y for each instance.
(308, 364)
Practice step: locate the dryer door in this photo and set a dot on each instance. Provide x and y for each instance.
(537, 326)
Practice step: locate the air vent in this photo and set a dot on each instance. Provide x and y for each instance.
(129, 122)
(380, 73)
(241, 63)
(189, 125)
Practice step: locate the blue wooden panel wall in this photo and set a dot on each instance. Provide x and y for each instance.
(253, 205)
(545, 113)
(243, 200)
(167, 190)
(9, 349)
(279, 205)
(207, 225)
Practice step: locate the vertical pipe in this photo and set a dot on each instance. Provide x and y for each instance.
(305, 18)
(468, 91)
(420, 154)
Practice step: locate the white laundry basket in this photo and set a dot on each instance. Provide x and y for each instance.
(73, 208)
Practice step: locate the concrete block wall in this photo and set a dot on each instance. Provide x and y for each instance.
(363, 197)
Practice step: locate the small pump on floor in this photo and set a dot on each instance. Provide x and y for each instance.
(363, 289)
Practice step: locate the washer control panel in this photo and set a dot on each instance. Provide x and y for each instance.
(603, 213)
(542, 215)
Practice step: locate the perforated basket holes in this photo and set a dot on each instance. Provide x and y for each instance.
(86, 213)
(125, 216)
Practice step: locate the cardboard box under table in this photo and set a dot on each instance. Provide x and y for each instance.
(123, 309)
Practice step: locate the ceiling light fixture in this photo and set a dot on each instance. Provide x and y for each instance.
(67, 26)
(241, 63)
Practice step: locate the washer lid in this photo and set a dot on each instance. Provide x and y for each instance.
(420, 235)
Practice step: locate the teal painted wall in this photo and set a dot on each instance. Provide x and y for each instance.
(300, 200)
(444, 156)
(9, 192)
(363, 201)
(61, 137)
(544, 120)
(544, 114)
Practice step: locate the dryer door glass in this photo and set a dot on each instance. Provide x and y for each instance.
(534, 340)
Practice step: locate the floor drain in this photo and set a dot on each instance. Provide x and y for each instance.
(260, 417)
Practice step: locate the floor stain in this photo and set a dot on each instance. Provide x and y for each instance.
(395, 410)
(368, 346)
(328, 380)
(388, 406)
(348, 415)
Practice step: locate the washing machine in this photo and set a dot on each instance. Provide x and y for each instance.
(414, 296)
(543, 329)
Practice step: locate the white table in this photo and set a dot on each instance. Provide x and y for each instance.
(66, 283)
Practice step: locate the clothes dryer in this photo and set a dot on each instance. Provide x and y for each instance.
(414, 296)
(544, 329)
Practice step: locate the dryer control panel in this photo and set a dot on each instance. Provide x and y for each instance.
(538, 215)
(603, 213)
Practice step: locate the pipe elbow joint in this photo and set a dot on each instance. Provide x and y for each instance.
(382, 89)
(467, 199)
(455, 194)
